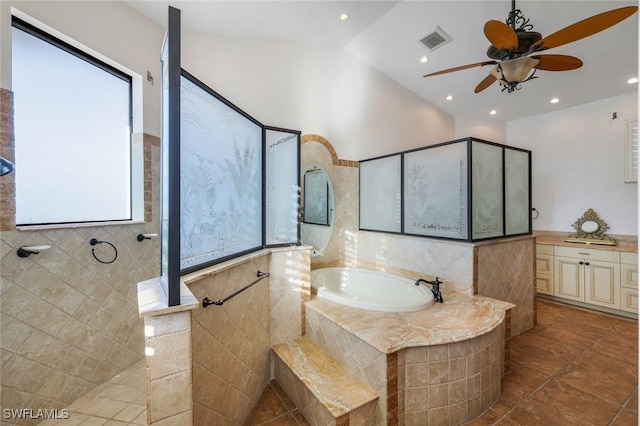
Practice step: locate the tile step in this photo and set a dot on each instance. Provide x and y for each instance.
(321, 387)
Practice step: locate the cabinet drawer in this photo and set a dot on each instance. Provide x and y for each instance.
(629, 276)
(626, 257)
(629, 300)
(587, 253)
(544, 264)
(544, 284)
(544, 249)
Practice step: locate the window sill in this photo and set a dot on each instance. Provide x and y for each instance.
(77, 225)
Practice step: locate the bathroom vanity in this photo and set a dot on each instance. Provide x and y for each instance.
(601, 277)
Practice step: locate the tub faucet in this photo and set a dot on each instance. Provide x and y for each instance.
(435, 288)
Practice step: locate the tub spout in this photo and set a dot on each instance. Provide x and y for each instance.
(435, 288)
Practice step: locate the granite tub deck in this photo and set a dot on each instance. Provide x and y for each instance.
(440, 365)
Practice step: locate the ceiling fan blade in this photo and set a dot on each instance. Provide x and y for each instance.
(463, 67)
(585, 28)
(488, 81)
(501, 36)
(557, 62)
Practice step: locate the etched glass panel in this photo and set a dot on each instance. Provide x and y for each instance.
(486, 190)
(220, 178)
(282, 186)
(380, 194)
(517, 216)
(435, 191)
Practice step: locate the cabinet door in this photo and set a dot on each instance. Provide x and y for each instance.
(602, 283)
(569, 278)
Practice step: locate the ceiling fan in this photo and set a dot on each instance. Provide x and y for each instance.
(514, 47)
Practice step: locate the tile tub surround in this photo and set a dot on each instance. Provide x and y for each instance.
(424, 352)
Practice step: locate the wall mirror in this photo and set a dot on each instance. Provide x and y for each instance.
(590, 230)
(318, 208)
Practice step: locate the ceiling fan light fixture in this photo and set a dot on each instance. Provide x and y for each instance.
(512, 72)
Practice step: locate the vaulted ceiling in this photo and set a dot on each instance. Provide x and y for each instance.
(386, 35)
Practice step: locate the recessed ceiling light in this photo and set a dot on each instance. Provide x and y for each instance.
(449, 98)
(424, 60)
(493, 112)
(632, 80)
(344, 16)
(554, 100)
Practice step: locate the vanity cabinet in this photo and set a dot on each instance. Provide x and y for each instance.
(629, 282)
(596, 276)
(588, 275)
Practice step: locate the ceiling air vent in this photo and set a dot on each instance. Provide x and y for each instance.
(435, 38)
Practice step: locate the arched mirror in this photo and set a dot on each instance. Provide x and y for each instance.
(318, 210)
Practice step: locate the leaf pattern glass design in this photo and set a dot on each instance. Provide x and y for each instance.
(486, 190)
(220, 178)
(435, 191)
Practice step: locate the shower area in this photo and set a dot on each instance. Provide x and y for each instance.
(70, 318)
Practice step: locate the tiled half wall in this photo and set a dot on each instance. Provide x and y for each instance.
(225, 351)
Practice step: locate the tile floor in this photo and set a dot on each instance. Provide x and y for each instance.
(120, 401)
(575, 367)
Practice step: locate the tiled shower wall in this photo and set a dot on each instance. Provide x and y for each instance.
(231, 343)
(69, 322)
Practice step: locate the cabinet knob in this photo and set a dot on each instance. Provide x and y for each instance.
(581, 263)
(586, 263)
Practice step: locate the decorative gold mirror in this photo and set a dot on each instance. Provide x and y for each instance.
(590, 230)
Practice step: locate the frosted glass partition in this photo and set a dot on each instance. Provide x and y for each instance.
(517, 195)
(220, 177)
(380, 194)
(435, 190)
(282, 189)
(486, 190)
(467, 189)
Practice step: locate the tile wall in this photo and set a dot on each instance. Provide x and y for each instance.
(505, 270)
(69, 323)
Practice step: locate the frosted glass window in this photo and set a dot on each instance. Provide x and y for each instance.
(72, 134)
(486, 190)
(220, 178)
(516, 186)
(435, 191)
(282, 186)
(380, 194)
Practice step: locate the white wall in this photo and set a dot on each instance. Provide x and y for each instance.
(494, 131)
(316, 89)
(578, 163)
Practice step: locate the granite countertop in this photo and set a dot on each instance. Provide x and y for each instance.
(460, 317)
(625, 243)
